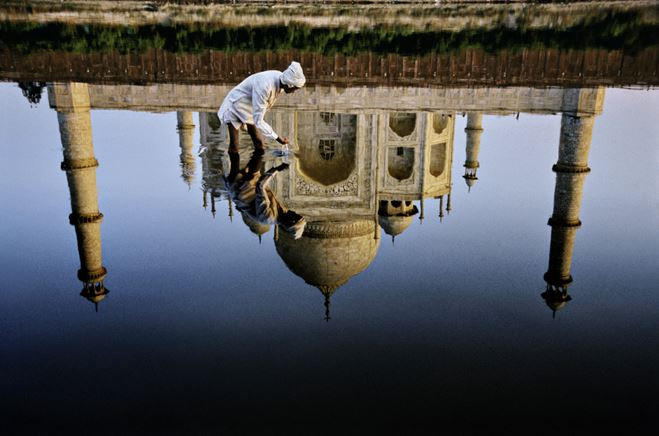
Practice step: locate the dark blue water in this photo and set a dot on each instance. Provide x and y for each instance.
(205, 329)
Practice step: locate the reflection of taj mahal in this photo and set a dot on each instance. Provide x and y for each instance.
(364, 161)
(354, 173)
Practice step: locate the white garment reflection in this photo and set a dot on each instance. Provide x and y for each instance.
(252, 194)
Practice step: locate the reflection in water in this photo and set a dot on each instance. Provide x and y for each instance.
(250, 187)
(326, 146)
(396, 216)
(32, 91)
(474, 131)
(185, 127)
(330, 253)
(355, 169)
(571, 170)
(212, 154)
(449, 320)
(72, 104)
(389, 160)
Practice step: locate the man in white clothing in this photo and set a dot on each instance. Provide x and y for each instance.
(246, 104)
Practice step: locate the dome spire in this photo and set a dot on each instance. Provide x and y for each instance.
(327, 307)
(421, 213)
(441, 208)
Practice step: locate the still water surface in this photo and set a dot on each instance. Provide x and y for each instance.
(427, 291)
(205, 324)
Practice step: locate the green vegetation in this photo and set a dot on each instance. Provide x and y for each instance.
(610, 31)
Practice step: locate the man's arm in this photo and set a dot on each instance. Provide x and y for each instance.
(267, 209)
(259, 107)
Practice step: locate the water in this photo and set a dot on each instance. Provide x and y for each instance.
(462, 320)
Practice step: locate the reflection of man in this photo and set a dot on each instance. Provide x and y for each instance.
(253, 196)
(246, 104)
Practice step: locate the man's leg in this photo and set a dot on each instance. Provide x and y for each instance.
(257, 138)
(234, 137)
(234, 156)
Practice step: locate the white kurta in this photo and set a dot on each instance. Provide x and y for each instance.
(248, 102)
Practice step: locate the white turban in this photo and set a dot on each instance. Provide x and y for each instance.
(293, 76)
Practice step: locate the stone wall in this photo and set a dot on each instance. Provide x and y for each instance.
(466, 68)
(207, 98)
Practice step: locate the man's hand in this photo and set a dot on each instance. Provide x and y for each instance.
(282, 140)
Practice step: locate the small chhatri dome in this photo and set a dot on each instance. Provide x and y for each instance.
(254, 226)
(396, 216)
(556, 298)
(470, 181)
(94, 292)
(394, 225)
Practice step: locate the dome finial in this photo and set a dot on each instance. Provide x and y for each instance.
(421, 214)
(555, 295)
(441, 208)
(327, 307)
(94, 290)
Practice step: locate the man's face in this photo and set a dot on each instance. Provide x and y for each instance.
(290, 89)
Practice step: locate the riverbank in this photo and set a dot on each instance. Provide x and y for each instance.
(446, 16)
(518, 44)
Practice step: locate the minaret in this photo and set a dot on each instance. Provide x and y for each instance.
(212, 153)
(71, 100)
(185, 126)
(571, 170)
(474, 131)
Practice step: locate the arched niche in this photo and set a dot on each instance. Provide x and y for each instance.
(439, 122)
(437, 159)
(327, 144)
(402, 123)
(400, 162)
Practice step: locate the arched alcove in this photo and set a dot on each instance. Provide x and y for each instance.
(400, 162)
(437, 159)
(327, 144)
(439, 122)
(402, 124)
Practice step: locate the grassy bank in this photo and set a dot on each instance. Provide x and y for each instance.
(611, 31)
